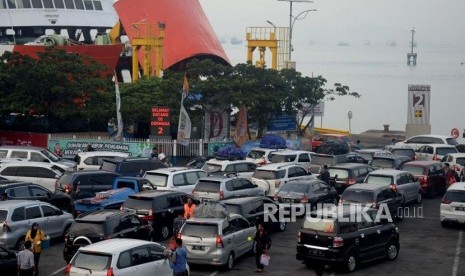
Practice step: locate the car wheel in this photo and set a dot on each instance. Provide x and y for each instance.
(230, 261)
(419, 198)
(392, 251)
(350, 263)
(20, 243)
(164, 232)
(282, 226)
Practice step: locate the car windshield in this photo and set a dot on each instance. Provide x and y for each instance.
(157, 179)
(320, 225)
(255, 154)
(404, 152)
(451, 141)
(321, 160)
(87, 229)
(415, 170)
(341, 173)
(379, 179)
(294, 188)
(210, 168)
(207, 186)
(357, 196)
(50, 155)
(454, 196)
(203, 230)
(460, 161)
(264, 174)
(92, 261)
(382, 163)
(3, 215)
(444, 151)
(282, 158)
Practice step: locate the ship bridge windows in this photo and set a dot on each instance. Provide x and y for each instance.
(79, 5)
(59, 4)
(3, 4)
(37, 4)
(69, 4)
(24, 4)
(48, 4)
(98, 5)
(11, 4)
(88, 5)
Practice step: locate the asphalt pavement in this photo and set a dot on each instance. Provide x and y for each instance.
(426, 248)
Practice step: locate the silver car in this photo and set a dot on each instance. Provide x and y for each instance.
(222, 187)
(404, 181)
(17, 217)
(217, 241)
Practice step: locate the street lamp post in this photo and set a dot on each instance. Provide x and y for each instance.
(292, 20)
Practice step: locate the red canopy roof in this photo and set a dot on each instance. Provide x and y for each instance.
(188, 32)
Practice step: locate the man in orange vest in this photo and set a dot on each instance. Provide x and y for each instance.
(189, 209)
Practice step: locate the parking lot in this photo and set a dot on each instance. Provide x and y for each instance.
(426, 249)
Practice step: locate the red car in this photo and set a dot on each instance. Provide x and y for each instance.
(320, 139)
(430, 174)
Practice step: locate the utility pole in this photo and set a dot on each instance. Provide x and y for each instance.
(412, 57)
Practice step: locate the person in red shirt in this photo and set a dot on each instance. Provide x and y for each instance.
(189, 208)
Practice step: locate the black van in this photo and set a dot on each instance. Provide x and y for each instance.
(346, 242)
(135, 167)
(157, 207)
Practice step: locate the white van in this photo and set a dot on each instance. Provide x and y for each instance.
(40, 173)
(93, 160)
(175, 178)
(36, 154)
(297, 157)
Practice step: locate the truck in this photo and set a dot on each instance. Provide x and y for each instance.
(122, 188)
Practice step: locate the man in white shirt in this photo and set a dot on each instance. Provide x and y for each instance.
(26, 261)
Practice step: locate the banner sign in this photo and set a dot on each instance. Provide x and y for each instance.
(282, 123)
(13, 138)
(160, 124)
(216, 125)
(419, 104)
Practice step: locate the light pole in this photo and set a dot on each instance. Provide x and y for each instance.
(292, 20)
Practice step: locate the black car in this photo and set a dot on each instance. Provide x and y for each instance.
(131, 166)
(26, 190)
(376, 195)
(159, 208)
(8, 261)
(347, 242)
(308, 193)
(389, 162)
(83, 184)
(254, 209)
(343, 175)
(102, 225)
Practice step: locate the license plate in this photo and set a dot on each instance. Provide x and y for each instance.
(288, 200)
(315, 252)
(198, 247)
(459, 208)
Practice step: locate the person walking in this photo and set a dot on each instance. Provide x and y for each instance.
(26, 266)
(324, 174)
(189, 208)
(451, 175)
(36, 237)
(262, 245)
(178, 260)
(154, 154)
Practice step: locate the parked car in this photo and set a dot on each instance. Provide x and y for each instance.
(8, 261)
(435, 152)
(376, 196)
(222, 187)
(25, 190)
(43, 174)
(120, 257)
(17, 216)
(270, 177)
(430, 174)
(404, 182)
(456, 162)
(297, 157)
(299, 193)
(343, 175)
(158, 208)
(102, 225)
(355, 158)
(453, 205)
(36, 154)
(402, 150)
(319, 159)
(181, 179)
(417, 141)
(93, 160)
(242, 168)
(217, 241)
(83, 184)
(198, 162)
(334, 241)
(318, 140)
(260, 156)
(253, 209)
(389, 162)
(131, 166)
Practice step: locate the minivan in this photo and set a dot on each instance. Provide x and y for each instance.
(36, 154)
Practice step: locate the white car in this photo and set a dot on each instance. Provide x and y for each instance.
(270, 177)
(297, 157)
(40, 173)
(180, 179)
(434, 152)
(453, 204)
(417, 141)
(260, 156)
(120, 257)
(36, 154)
(242, 168)
(93, 160)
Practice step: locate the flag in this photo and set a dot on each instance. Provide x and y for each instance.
(241, 136)
(119, 133)
(185, 125)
